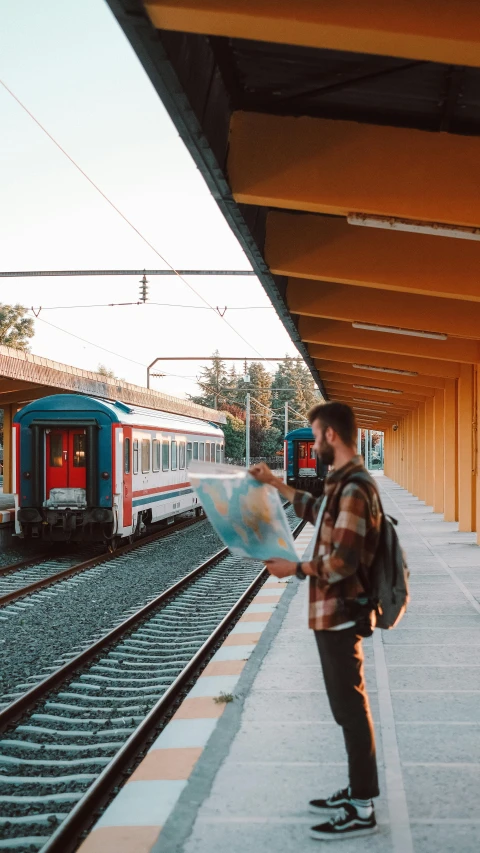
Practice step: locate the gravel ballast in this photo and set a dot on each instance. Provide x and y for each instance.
(60, 623)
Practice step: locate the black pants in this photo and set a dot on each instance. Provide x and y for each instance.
(341, 656)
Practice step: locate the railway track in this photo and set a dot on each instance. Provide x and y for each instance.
(28, 576)
(93, 717)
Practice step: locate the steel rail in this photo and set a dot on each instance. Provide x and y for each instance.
(15, 594)
(22, 564)
(65, 838)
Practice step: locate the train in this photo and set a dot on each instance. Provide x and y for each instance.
(87, 469)
(303, 469)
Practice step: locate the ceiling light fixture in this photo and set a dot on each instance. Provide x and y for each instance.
(385, 369)
(394, 330)
(414, 226)
(378, 390)
(372, 411)
(378, 402)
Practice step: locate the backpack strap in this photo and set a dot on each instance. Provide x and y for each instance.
(361, 479)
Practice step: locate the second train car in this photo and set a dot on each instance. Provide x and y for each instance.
(303, 470)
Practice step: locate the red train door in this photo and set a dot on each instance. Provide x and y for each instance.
(66, 459)
(306, 455)
(56, 460)
(127, 476)
(77, 458)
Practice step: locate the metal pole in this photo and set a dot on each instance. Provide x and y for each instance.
(247, 433)
(367, 449)
(359, 442)
(286, 418)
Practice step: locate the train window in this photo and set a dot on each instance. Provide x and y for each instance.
(195, 449)
(126, 456)
(166, 455)
(217, 451)
(56, 447)
(135, 456)
(79, 450)
(145, 455)
(174, 455)
(207, 451)
(202, 451)
(181, 454)
(189, 452)
(301, 451)
(313, 455)
(222, 454)
(155, 455)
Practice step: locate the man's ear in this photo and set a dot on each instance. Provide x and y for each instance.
(330, 434)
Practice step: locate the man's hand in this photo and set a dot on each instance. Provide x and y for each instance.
(263, 474)
(280, 568)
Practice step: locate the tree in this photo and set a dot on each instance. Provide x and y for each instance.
(106, 371)
(234, 432)
(214, 383)
(259, 386)
(293, 384)
(15, 327)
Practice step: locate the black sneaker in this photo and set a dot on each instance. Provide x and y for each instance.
(334, 801)
(345, 824)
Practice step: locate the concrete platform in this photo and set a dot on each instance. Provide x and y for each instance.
(7, 508)
(238, 775)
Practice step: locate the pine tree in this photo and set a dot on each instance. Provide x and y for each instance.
(259, 387)
(293, 384)
(214, 383)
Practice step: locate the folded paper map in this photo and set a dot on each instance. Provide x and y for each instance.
(247, 515)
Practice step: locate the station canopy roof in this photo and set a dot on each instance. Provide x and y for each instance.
(341, 142)
(25, 377)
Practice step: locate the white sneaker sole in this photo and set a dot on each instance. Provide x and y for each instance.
(325, 809)
(340, 836)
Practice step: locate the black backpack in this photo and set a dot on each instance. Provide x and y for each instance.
(387, 582)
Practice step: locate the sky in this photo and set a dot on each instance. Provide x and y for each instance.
(71, 66)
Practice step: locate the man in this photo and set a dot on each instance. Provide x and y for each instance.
(346, 537)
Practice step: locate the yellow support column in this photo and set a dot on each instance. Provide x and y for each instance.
(415, 453)
(7, 449)
(477, 450)
(466, 475)
(421, 444)
(450, 456)
(410, 454)
(429, 453)
(439, 439)
(403, 440)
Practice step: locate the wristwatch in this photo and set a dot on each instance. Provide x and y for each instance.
(299, 572)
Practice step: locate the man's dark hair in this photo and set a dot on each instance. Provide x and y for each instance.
(340, 417)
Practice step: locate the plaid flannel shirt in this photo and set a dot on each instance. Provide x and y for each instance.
(344, 544)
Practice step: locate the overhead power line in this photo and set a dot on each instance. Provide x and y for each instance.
(125, 218)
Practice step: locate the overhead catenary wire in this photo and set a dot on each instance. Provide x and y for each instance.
(158, 304)
(122, 215)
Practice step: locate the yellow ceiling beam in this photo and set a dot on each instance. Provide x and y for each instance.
(347, 369)
(329, 249)
(396, 412)
(423, 366)
(340, 167)
(412, 28)
(413, 391)
(381, 307)
(337, 334)
(372, 391)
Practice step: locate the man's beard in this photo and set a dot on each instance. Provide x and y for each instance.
(327, 454)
